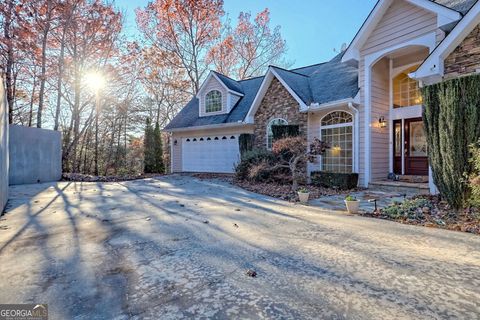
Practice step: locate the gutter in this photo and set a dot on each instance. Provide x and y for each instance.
(328, 105)
(211, 126)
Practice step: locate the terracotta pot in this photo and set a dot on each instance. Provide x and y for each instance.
(352, 206)
(303, 196)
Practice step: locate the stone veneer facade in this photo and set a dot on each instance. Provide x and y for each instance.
(465, 59)
(277, 103)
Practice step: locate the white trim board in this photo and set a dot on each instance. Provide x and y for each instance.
(445, 16)
(210, 75)
(427, 40)
(267, 80)
(432, 69)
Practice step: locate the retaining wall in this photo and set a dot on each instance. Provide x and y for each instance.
(35, 155)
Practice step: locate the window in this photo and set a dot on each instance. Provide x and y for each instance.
(274, 122)
(337, 130)
(213, 101)
(406, 91)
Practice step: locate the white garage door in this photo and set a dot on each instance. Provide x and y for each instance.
(210, 154)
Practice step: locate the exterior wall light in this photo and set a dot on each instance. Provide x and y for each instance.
(382, 122)
(175, 142)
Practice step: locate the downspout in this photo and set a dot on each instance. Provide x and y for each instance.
(356, 147)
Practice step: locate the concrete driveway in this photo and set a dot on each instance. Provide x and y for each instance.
(177, 247)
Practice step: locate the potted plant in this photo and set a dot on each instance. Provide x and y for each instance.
(303, 195)
(352, 204)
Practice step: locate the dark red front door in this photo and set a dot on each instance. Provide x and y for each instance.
(413, 144)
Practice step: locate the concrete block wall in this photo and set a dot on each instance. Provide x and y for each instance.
(3, 147)
(35, 155)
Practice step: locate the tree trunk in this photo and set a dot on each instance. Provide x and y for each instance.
(43, 74)
(59, 80)
(30, 114)
(10, 61)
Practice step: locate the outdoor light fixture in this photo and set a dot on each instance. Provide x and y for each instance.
(382, 122)
(175, 142)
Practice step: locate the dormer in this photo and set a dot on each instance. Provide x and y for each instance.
(218, 95)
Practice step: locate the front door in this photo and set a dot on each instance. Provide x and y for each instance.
(410, 147)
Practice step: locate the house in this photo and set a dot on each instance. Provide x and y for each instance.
(365, 101)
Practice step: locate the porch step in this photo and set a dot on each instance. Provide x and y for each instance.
(413, 179)
(400, 187)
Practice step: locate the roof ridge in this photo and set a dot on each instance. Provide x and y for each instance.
(250, 78)
(310, 65)
(224, 75)
(289, 71)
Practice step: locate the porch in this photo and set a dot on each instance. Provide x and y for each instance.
(396, 145)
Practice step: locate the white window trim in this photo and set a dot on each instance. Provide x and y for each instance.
(269, 124)
(340, 125)
(394, 72)
(221, 103)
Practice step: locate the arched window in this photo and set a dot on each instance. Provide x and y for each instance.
(406, 91)
(274, 122)
(213, 101)
(337, 117)
(337, 130)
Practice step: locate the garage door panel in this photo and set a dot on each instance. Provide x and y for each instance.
(210, 155)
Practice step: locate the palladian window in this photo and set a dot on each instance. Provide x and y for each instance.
(213, 101)
(337, 130)
(274, 122)
(406, 91)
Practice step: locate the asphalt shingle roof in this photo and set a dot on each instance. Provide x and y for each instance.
(320, 83)
(458, 5)
(230, 83)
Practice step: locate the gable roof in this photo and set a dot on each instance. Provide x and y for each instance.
(297, 82)
(319, 83)
(443, 8)
(431, 70)
(189, 115)
(229, 82)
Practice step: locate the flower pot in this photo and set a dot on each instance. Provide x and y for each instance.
(303, 196)
(352, 206)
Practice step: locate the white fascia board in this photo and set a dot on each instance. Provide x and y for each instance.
(353, 50)
(259, 96)
(263, 89)
(294, 95)
(211, 126)
(210, 75)
(431, 70)
(444, 15)
(334, 104)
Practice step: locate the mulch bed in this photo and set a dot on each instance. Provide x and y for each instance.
(440, 216)
(91, 178)
(284, 191)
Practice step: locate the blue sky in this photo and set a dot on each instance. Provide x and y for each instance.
(312, 29)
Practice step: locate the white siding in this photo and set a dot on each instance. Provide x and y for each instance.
(380, 108)
(212, 84)
(401, 22)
